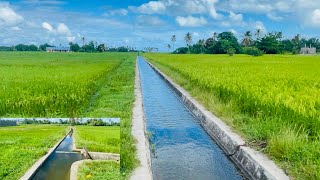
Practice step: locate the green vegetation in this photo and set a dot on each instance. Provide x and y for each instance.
(98, 139)
(107, 170)
(226, 42)
(273, 101)
(22, 146)
(36, 84)
(51, 84)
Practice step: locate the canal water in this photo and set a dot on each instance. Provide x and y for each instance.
(57, 166)
(182, 148)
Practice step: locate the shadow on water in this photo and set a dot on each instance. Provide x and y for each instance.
(182, 148)
(57, 166)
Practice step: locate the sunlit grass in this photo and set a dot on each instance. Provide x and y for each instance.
(98, 138)
(107, 170)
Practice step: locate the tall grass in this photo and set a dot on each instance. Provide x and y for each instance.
(273, 101)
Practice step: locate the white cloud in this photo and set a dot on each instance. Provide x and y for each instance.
(191, 21)
(233, 31)
(63, 29)
(47, 26)
(146, 20)
(179, 8)
(260, 25)
(236, 17)
(315, 18)
(195, 34)
(274, 17)
(16, 28)
(8, 16)
(116, 12)
(71, 38)
(152, 7)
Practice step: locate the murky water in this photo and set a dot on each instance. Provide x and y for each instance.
(57, 166)
(183, 149)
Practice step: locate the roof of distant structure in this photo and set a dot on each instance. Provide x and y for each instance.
(59, 48)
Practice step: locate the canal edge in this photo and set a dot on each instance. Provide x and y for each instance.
(252, 163)
(35, 167)
(143, 171)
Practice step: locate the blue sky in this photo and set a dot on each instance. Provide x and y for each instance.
(143, 23)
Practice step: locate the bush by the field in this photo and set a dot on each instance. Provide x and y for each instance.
(253, 51)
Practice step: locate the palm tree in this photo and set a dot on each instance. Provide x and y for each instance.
(214, 36)
(82, 41)
(188, 39)
(258, 33)
(247, 39)
(173, 40)
(169, 47)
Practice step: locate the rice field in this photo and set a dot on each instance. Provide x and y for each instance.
(51, 85)
(273, 101)
(22, 146)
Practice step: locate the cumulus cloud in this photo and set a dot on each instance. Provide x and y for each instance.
(191, 21)
(61, 30)
(315, 18)
(8, 16)
(152, 7)
(47, 26)
(179, 7)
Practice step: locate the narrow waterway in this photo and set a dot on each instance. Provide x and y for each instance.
(182, 148)
(57, 166)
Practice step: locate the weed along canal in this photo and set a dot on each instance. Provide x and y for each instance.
(57, 166)
(181, 148)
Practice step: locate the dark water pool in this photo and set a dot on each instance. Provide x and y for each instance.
(183, 149)
(57, 166)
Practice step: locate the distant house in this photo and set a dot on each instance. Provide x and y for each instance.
(308, 50)
(58, 49)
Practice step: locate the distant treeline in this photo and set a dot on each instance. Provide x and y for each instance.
(91, 122)
(90, 47)
(227, 42)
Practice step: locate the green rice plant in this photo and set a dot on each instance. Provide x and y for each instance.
(272, 100)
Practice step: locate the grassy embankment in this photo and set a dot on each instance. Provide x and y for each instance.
(272, 101)
(66, 85)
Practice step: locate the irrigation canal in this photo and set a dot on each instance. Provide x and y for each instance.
(57, 166)
(181, 148)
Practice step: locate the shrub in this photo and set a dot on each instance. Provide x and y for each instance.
(231, 51)
(253, 51)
